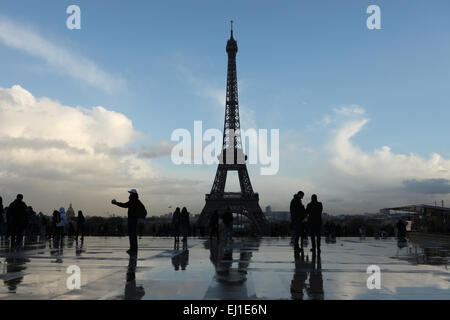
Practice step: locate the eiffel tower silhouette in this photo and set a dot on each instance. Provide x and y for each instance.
(232, 158)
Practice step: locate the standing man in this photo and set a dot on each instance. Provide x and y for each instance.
(17, 215)
(135, 211)
(298, 213)
(314, 210)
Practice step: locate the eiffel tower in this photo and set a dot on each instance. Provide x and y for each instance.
(233, 158)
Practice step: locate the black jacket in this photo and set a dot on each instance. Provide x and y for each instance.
(298, 212)
(314, 211)
(17, 213)
(80, 219)
(132, 206)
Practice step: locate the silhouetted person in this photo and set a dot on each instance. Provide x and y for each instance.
(314, 210)
(17, 214)
(42, 226)
(184, 222)
(227, 219)
(80, 224)
(298, 214)
(176, 224)
(401, 229)
(55, 220)
(214, 224)
(133, 205)
(3, 220)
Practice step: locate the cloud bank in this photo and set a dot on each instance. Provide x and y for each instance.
(60, 153)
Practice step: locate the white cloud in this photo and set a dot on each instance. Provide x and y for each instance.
(63, 153)
(361, 181)
(78, 67)
(382, 167)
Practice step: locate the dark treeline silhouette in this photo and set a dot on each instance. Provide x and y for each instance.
(34, 224)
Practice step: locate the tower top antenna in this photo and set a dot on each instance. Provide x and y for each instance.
(231, 22)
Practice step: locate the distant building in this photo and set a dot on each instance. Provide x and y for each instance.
(277, 215)
(70, 213)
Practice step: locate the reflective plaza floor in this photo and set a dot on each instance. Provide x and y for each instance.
(245, 269)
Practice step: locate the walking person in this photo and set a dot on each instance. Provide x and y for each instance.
(314, 210)
(298, 214)
(176, 221)
(80, 224)
(136, 210)
(227, 219)
(184, 222)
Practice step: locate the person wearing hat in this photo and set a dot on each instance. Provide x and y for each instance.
(133, 216)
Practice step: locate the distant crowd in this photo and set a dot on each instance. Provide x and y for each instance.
(18, 220)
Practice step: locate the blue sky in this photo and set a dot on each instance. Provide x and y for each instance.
(301, 64)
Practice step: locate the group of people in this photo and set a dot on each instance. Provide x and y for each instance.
(307, 219)
(18, 220)
(14, 221)
(180, 223)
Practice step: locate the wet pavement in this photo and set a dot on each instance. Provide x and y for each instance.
(246, 269)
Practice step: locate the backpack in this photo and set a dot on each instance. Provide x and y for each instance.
(141, 212)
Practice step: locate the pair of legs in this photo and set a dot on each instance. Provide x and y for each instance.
(298, 235)
(16, 236)
(176, 232)
(185, 232)
(214, 231)
(229, 232)
(315, 237)
(132, 234)
(80, 229)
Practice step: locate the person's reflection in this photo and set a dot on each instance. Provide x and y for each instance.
(213, 251)
(15, 265)
(315, 289)
(300, 275)
(224, 265)
(133, 292)
(79, 247)
(231, 283)
(184, 256)
(244, 260)
(180, 259)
